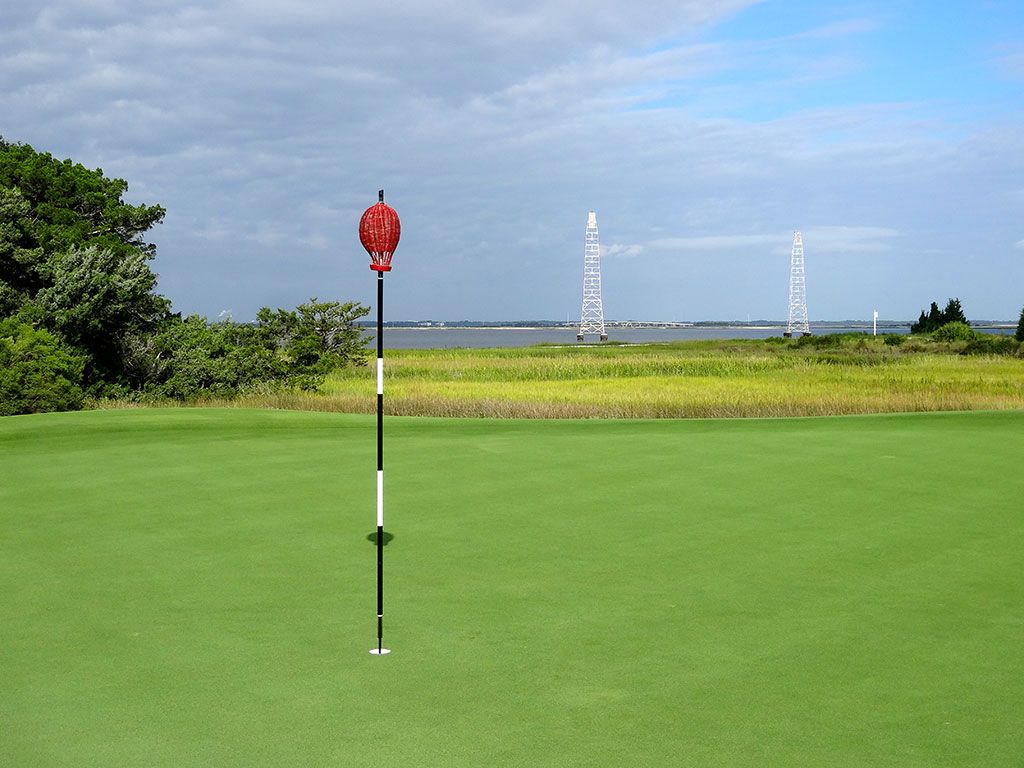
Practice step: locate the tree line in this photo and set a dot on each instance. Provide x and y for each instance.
(80, 316)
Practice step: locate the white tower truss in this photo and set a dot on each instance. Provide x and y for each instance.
(592, 316)
(797, 291)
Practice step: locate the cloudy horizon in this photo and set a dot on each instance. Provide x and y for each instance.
(703, 134)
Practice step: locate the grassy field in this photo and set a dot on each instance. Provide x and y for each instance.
(196, 588)
(685, 379)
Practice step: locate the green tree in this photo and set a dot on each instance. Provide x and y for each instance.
(1020, 327)
(954, 313)
(936, 318)
(73, 205)
(921, 324)
(21, 261)
(73, 257)
(318, 337)
(94, 300)
(194, 358)
(37, 373)
(74, 260)
(328, 337)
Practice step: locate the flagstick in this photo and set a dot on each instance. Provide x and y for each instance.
(380, 650)
(379, 232)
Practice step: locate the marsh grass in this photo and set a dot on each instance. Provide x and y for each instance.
(678, 380)
(816, 376)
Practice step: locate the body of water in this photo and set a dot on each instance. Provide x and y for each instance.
(448, 338)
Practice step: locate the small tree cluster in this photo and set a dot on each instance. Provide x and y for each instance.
(1020, 327)
(935, 318)
(79, 312)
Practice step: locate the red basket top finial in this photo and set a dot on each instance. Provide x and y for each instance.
(379, 231)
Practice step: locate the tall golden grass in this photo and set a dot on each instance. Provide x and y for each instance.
(679, 380)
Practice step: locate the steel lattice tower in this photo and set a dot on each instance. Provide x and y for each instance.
(797, 291)
(592, 316)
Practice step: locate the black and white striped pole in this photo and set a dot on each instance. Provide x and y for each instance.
(379, 231)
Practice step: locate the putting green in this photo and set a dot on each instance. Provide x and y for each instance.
(196, 588)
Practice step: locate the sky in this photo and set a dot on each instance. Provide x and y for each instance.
(891, 134)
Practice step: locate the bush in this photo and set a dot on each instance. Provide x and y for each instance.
(37, 374)
(828, 341)
(955, 331)
(192, 358)
(855, 340)
(991, 344)
(894, 339)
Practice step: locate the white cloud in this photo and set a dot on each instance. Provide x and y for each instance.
(621, 251)
(717, 242)
(822, 239)
(846, 239)
(266, 128)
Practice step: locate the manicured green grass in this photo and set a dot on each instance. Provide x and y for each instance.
(196, 588)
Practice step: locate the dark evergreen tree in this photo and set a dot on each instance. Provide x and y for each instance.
(953, 313)
(936, 318)
(1020, 327)
(921, 324)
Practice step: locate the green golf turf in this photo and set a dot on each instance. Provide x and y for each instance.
(196, 588)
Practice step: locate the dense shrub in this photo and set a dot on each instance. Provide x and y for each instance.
(318, 337)
(827, 341)
(834, 340)
(192, 358)
(992, 344)
(37, 373)
(955, 331)
(894, 339)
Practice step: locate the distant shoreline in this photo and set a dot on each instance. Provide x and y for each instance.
(822, 325)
